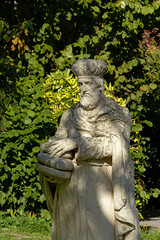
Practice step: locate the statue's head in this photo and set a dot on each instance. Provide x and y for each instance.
(90, 81)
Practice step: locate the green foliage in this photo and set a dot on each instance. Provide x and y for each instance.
(150, 235)
(61, 92)
(25, 121)
(39, 228)
(28, 225)
(39, 40)
(109, 92)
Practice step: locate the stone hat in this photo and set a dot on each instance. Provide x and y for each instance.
(89, 68)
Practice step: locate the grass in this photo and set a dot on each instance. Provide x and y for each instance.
(150, 235)
(30, 227)
(24, 227)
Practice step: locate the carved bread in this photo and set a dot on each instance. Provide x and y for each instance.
(55, 162)
(52, 173)
(54, 169)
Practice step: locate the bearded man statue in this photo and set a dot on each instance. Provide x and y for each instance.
(86, 171)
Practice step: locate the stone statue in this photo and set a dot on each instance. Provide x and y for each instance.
(86, 171)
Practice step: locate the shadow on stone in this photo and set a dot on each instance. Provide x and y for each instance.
(96, 200)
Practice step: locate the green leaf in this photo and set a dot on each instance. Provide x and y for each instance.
(45, 213)
(44, 27)
(121, 79)
(68, 16)
(3, 124)
(144, 88)
(153, 86)
(42, 198)
(1, 26)
(95, 39)
(37, 47)
(6, 168)
(140, 107)
(138, 127)
(36, 149)
(133, 96)
(32, 106)
(3, 177)
(149, 59)
(156, 192)
(105, 15)
(143, 194)
(58, 75)
(134, 62)
(155, 195)
(2, 195)
(141, 169)
(19, 167)
(30, 113)
(33, 61)
(28, 193)
(155, 56)
(7, 37)
(150, 10)
(144, 10)
(38, 95)
(15, 176)
(96, 9)
(149, 123)
(27, 120)
(27, 55)
(156, 5)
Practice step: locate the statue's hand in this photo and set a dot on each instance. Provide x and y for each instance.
(46, 146)
(59, 147)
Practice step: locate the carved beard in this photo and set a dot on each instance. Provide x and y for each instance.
(89, 101)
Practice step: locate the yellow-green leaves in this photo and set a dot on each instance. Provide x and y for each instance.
(61, 91)
(36, 51)
(109, 92)
(147, 10)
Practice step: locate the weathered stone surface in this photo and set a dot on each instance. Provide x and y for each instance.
(52, 173)
(98, 201)
(55, 162)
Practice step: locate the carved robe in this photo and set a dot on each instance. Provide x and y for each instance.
(97, 203)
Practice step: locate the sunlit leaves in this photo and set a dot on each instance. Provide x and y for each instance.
(138, 127)
(149, 123)
(61, 91)
(123, 33)
(156, 192)
(147, 10)
(27, 120)
(25, 115)
(153, 86)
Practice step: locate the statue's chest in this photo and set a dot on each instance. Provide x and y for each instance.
(83, 127)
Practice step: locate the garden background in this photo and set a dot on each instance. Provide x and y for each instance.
(39, 41)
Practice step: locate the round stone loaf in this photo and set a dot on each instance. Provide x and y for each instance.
(55, 162)
(53, 173)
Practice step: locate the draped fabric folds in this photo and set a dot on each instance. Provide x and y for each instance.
(98, 201)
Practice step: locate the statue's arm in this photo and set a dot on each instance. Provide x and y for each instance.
(91, 148)
(60, 144)
(98, 147)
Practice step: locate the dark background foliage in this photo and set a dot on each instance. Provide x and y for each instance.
(40, 37)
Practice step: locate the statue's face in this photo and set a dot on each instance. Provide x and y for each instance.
(90, 94)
